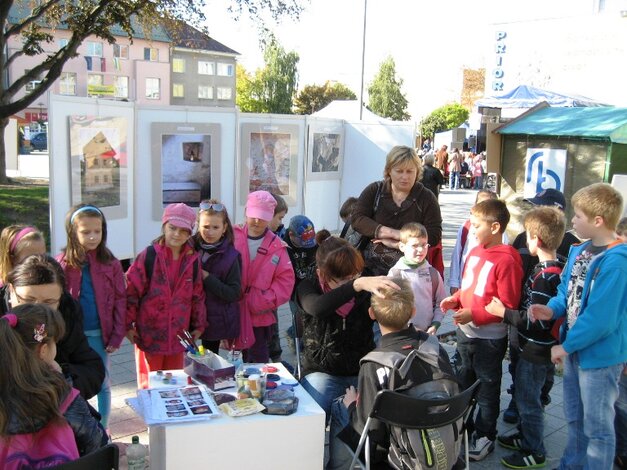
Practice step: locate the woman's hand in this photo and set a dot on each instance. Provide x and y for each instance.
(374, 284)
(350, 396)
(196, 334)
(496, 308)
(384, 232)
(389, 242)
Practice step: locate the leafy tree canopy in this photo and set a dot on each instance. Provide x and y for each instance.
(385, 95)
(444, 118)
(313, 98)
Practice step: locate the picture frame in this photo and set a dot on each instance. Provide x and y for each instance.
(268, 159)
(325, 150)
(186, 164)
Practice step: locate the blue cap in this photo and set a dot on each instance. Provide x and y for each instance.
(303, 230)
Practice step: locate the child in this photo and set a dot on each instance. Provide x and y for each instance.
(221, 272)
(95, 278)
(545, 229)
(491, 270)
(267, 274)
(620, 422)
(301, 246)
(36, 402)
(18, 242)
(165, 295)
(425, 281)
(464, 243)
(349, 413)
(592, 297)
(276, 225)
(345, 214)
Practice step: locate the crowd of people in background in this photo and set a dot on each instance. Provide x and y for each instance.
(378, 285)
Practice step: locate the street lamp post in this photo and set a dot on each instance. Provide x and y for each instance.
(363, 60)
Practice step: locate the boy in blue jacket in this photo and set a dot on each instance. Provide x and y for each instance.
(592, 296)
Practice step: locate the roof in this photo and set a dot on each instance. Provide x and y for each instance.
(593, 123)
(184, 35)
(348, 110)
(525, 96)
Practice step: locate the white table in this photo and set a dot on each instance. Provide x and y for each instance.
(257, 442)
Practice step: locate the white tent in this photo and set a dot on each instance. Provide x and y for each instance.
(349, 111)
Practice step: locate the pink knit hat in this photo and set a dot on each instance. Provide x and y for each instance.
(180, 215)
(260, 205)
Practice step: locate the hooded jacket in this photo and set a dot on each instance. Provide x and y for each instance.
(109, 291)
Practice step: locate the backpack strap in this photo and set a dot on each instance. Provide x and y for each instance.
(434, 283)
(149, 262)
(65, 404)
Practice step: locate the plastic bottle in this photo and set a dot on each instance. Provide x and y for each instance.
(136, 455)
(235, 357)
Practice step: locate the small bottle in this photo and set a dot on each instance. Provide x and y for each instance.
(235, 357)
(136, 455)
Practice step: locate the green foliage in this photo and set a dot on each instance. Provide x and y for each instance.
(25, 204)
(444, 118)
(271, 89)
(313, 98)
(385, 95)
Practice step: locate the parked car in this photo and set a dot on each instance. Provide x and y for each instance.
(39, 141)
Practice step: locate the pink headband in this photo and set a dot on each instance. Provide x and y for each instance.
(11, 318)
(21, 234)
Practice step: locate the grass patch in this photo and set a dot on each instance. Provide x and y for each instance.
(25, 204)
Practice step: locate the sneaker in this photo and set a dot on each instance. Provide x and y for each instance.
(524, 460)
(510, 415)
(479, 448)
(545, 400)
(513, 441)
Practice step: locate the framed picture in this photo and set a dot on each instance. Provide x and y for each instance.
(98, 163)
(186, 163)
(268, 159)
(325, 151)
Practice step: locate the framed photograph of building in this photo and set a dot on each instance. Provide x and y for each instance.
(268, 159)
(325, 150)
(98, 163)
(186, 159)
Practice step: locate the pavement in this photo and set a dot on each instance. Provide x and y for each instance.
(455, 205)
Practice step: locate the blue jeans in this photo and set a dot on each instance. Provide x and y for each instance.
(324, 388)
(589, 398)
(530, 379)
(453, 178)
(482, 359)
(104, 395)
(620, 423)
(339, 454)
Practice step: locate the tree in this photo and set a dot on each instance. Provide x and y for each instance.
(313, 98)
(444, 118)
(86, 18)
(385, 95)
(246, 96)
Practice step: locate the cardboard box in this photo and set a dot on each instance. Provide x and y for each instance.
(212, 370)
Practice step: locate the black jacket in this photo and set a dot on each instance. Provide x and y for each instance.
(432, 179)
(77, 359)
(333, 344)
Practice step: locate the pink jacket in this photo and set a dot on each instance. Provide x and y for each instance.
(267, 282)
(160, 312)
(110, 293)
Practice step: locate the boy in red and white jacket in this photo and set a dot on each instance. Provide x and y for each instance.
(492, 269)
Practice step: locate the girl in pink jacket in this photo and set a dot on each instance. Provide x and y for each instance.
(94, 277)
(165, 295)
(267, 275)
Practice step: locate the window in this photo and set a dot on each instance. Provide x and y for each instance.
(105, 179)
(178, 65)
(94, 79)
(67, 85)
(152, 88)
(206, 68)
(205, 92)
(120, 51)
(151, 54)
(63, 42)
(94, 49)
(225, 70)
(178, 90)
(225, 93)
(121, 86)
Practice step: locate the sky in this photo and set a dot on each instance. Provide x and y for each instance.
(431, 41)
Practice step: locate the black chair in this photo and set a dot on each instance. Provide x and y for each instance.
(105, 458)
(397, 409)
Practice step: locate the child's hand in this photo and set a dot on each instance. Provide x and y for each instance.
(449, 303)
(454, 289)
(558, 353)
(205, 274)
(132, 335)
(496, 308)
(431, 330)
(539, 312)
(462, 316)
(111, 349)
(350, 396)
(196, 334)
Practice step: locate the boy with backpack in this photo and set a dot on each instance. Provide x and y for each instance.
(544, 229)
(393, 310)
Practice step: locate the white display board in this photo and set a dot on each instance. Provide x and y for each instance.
(544, 168)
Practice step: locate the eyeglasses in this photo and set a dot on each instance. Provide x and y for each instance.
(48, 302)
(205, 206)
(423, 247)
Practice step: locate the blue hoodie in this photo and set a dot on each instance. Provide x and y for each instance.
(599, 336)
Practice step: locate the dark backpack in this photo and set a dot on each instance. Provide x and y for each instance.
(436, 448)
(149, 263)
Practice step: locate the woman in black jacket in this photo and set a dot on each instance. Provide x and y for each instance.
(337, 329)
(40, 279)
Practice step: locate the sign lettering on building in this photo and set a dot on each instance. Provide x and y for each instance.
(499, 48)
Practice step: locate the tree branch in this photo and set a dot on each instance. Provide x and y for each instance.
(38, 12)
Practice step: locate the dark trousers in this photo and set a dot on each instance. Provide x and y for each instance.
(274, 345)
(211, 345)
(258, 352)
(482, 359)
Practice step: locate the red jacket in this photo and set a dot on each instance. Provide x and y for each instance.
(110, 293)
(491, 272)
(160, 312)
(267, 282)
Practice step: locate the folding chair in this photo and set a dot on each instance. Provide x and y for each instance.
(397, 409)
(105, 458)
